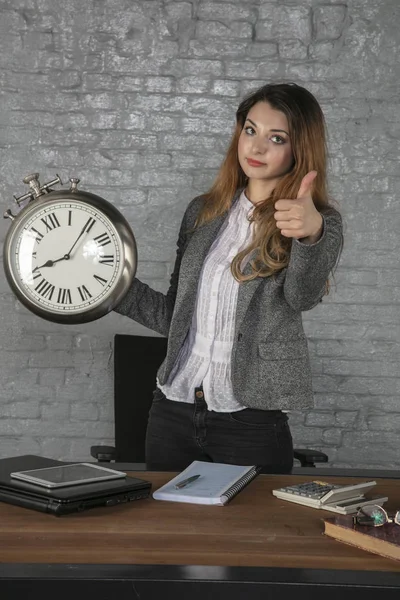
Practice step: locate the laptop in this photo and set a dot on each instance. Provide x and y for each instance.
(64, 500)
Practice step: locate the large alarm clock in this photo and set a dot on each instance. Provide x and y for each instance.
(69, 255)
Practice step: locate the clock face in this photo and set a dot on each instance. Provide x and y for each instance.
(66, 257)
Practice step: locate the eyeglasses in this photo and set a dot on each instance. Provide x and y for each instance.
(374, 515)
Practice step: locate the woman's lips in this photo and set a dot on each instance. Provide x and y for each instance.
(255, 163)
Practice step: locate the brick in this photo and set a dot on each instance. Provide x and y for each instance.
(191, 142)
(367, 455)
(149, 178)
(263, 49)
(114, 139)
(252, 69)
(30, 342)
(127, 83)
(187, 66)
(306, 436)
(130, 120)
(218, 30)
(193, 85)
(159, 84)
(59, 449)
(322, 51)
(168, 197)
(329, 21)
(292, 49)
(59, 342)
(207, 125)
(320, 419)
(225, 11)
(346, 419)
(161, 123)
(87, 411)
(225, 88)
(388, 422)
(55, 411)
(21, 410)
(383, 368)
(332, 436)
(50, 377)
(179, 10)
(25, 445)
(121, 197)
(275, 23)
(152, 270)
(93, 342)
(217, 48)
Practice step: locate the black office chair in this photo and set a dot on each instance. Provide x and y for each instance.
(136, 361)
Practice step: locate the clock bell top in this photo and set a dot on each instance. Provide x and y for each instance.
(37, 190)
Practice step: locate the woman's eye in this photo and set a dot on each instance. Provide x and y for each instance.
(278, 137)
(249, 130)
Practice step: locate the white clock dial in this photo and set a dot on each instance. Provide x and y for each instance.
(67, 255)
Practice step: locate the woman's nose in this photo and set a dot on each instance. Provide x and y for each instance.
(259, 147)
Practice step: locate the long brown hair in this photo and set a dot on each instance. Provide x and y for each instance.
(269, 251)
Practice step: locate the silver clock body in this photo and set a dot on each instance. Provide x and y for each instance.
(69, 256)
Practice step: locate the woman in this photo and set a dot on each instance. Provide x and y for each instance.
(253, 253)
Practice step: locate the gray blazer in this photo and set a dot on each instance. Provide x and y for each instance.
(270, 360)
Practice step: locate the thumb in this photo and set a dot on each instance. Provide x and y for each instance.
(306, 185)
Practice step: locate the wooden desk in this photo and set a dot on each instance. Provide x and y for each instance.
(256, 541)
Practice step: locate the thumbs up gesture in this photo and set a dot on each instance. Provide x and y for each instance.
(299, 218)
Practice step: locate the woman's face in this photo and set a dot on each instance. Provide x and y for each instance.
(264, 148)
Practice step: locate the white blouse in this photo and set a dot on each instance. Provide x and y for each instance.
(205, 357)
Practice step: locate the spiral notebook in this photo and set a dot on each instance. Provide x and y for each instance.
(217, 483)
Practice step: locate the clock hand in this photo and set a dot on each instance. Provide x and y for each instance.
(50, 263)
(85, 229)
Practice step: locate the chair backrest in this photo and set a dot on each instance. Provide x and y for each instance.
(136, 361)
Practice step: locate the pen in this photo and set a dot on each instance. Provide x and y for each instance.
(185, 482)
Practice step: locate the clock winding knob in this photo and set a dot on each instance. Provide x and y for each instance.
(33, 182)
(74, 184)
(8, 215)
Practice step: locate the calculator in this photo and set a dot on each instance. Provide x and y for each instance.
(336, 498)
(310, 489)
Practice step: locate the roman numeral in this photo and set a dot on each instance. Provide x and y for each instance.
(45, 289)
(103, 239)
(70, 217)
(100, 280)
(107, 259)
(51, 222)
(64, 296)
(36, 273)
(84, 293)
(36, 234)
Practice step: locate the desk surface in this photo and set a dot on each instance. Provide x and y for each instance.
(254, 530)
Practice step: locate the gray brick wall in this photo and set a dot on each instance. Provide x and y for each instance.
(138, 100)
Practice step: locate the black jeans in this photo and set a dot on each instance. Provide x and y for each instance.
(179, 433)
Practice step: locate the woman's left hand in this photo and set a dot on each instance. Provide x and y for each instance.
(299, 218)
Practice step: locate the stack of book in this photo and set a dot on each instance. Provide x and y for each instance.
(384, 540)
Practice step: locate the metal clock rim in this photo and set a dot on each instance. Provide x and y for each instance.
(128, 243)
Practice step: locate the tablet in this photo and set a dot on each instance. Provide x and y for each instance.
(55, 477)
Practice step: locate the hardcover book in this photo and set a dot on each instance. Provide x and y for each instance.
(384, 540)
